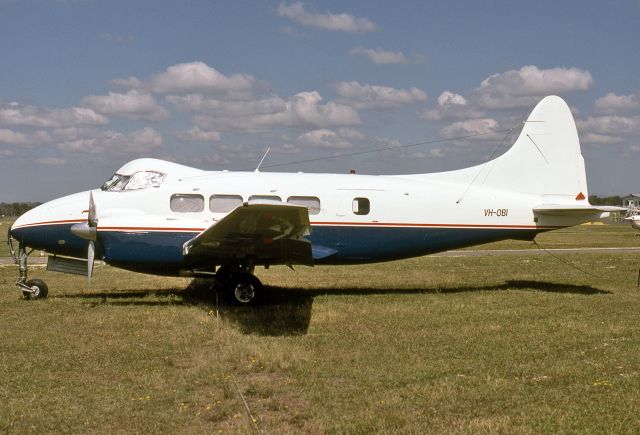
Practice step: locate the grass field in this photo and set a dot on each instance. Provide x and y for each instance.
(509, 344)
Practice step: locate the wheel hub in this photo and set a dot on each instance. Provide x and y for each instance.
(244, 293)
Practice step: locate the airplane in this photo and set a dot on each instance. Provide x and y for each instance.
(163, 218)
(634, 220)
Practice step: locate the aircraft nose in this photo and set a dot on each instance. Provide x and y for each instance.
(19, 229)
(48, 226)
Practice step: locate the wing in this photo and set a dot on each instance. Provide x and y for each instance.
(263, 233)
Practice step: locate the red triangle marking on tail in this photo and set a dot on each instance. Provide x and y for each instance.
(580, 196)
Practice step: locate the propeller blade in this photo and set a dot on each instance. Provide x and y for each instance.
(92, 219)
(91, 252)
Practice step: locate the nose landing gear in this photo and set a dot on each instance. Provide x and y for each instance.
(34, 289)
(31, 288)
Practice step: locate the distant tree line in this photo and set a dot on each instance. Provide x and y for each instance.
(606, 200)
(13, 209)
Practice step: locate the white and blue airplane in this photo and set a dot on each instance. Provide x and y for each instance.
(163, 218)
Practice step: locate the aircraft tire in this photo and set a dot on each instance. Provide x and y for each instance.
(246, 289)
(40, 287)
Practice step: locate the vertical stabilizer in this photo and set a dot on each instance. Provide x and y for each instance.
(545, 159)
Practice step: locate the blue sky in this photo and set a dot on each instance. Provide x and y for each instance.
(87, 85)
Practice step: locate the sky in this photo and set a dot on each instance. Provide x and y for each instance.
(88, 85)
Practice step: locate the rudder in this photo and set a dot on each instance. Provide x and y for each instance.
(546, 157)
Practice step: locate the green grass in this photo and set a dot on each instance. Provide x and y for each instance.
(509, 344)
(4, 224)
(582, 236)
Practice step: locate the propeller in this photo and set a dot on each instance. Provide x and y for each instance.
(92, 221)
(89, 231)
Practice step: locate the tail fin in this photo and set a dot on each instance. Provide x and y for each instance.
(544, 162)
(545, 159)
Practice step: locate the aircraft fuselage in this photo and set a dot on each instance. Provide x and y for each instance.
(399, 217)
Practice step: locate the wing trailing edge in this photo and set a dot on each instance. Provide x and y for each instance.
(262, 233)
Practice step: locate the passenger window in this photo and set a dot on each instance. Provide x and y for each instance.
(187, 203)
(224, 203)
(311, 202)
(265, 198)
(361, 206)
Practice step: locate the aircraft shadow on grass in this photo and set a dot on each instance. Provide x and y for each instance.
(287, 311)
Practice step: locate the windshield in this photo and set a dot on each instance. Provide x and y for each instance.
(139, 180)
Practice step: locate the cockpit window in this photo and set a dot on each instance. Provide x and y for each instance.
(116, 183)
(144, 179)
(139, 180)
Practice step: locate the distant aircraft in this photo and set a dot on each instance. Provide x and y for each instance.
(163, 218)
(634, 220)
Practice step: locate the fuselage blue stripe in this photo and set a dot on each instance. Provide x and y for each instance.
(160, 251)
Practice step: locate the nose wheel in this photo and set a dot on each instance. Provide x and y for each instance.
(31, 288)
(38, 289)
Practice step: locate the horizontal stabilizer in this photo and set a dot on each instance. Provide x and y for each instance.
(574, 210)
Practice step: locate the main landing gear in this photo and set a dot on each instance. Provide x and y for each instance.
(31, 288)
(240, 284)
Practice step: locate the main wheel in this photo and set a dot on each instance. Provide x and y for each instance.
(39, 287)
(246, 289)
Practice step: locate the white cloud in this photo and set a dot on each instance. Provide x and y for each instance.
(449, 98)
(12, 137)
(372, 96)
(133, 105)
(225, 107)
(232, 107)
(524, 87)
(617, 130)
(323, 138)
(450, 105)
(189, 77)
(612, 103)
(19, 138)
(141, 141)
(197, 77)
(41, 117)
(303, 109)
(198, 135)
(335, 22)
(610, 125)
(380, 56)
(470, 127)
(72, 133)
(595, 138)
